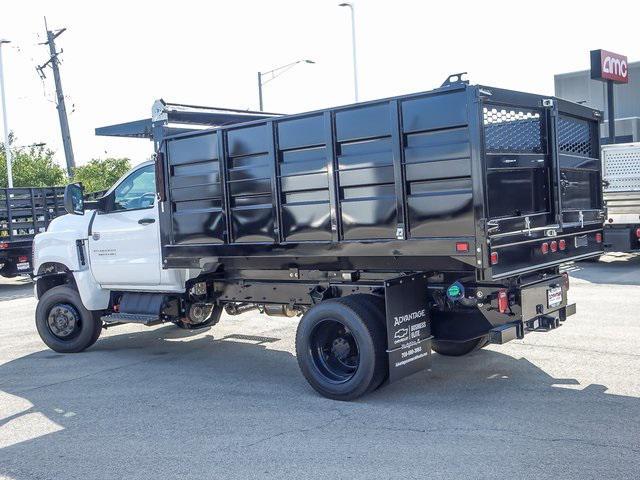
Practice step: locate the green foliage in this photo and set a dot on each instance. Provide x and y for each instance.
(101, 174)
(32, 166)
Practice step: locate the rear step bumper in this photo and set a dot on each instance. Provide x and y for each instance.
(542, 323)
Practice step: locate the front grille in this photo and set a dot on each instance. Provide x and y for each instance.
(512, 130)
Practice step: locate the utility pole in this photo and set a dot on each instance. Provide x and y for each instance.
(7, 147)
(62, 109)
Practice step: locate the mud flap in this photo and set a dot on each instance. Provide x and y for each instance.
(408, 325)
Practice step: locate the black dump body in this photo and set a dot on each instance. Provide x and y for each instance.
(462, 178)
(25, 212)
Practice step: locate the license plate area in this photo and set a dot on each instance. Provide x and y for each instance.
(581, 241)
(554, 297)
(542, 298)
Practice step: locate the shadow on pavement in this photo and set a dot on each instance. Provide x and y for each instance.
(14, 288)
(169, 403)
(612, 269)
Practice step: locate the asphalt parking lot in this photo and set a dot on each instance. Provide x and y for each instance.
(229, 402)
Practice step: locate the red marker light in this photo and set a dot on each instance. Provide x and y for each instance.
(554, 246)
(4, 245)
(544, 248)
(637, 232)
(598, 237)
(23, 259)
(494, 258)
(462, 246)
(503, 301)
(562, 244)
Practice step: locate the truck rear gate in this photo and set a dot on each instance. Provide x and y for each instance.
(25, 212)
(543, 182)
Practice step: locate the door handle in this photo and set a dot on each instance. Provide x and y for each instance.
(146, 221)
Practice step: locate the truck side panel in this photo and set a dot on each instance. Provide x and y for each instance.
(376, 172)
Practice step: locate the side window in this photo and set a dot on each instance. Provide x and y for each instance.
(137, 191)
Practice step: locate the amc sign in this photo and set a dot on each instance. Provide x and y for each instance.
(609, 66)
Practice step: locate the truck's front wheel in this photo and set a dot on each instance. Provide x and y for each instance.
(341, 347)
(63, 323)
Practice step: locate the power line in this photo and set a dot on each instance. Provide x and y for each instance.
(53, 62)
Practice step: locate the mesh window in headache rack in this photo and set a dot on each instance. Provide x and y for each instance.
(575, 137)
(512, 130)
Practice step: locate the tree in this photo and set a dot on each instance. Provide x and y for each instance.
(99, 174)
(31, 166)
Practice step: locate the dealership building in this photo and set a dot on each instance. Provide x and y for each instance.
(579, 87)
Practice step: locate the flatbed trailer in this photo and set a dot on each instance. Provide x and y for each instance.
(433, 221)
(25, 212)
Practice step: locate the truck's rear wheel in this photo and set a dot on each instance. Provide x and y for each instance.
(458, 349)
(341, 347)
(63, 323)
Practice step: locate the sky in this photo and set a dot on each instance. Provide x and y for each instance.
(119, 56)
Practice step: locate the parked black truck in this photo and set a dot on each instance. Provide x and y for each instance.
(434, 221)
(24, 212)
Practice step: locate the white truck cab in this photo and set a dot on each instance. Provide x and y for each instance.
(102, 266)
(82, 259)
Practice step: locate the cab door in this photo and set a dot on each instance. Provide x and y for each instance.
(124, 244)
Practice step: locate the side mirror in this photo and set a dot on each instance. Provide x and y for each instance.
(74, 199)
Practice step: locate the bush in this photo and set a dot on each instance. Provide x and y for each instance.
(101, 174)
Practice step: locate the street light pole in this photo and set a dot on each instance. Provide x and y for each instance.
(276, 72)
(260, 90)
(7, 147)
(353, 45)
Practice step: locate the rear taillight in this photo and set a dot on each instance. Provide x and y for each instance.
(562, 244)
(598, 237)
(637, 232)
(554, 246)
(565, 279)
(23, 259)
(503, 301)
(4, 245)
(494, 258)
(544, 248)
(462, 247)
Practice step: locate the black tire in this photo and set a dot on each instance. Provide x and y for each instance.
(9, 270)
(212, 319)
(98, 332)
(356, 363)
(458, 349)
(78, 327)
